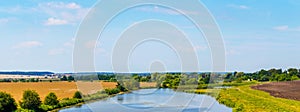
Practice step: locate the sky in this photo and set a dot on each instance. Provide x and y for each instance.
(39, 35)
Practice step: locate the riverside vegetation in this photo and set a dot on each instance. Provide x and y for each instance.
(240, 96)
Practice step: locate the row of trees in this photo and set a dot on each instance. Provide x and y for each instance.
(32, 102)
(67, 78)
(265, 75)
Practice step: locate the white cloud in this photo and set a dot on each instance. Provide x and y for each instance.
(238, 6)
(61, 5)
(232, 52)
(161, 10)
(281, 28)
(56, 51)
(70, 43)
(27, 44)
(68, 13)
(286, 28)
(4, 20)
(73, 6)
(53, 21)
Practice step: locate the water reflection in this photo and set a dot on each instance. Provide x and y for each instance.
(163, 100)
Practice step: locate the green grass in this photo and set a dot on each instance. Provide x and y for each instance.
(245, 99)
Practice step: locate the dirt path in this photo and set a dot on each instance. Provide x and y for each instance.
(289, 90)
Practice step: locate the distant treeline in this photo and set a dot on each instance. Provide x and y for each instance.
(27, 73)
(265, 75)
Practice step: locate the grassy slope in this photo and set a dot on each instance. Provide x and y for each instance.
(243, 98)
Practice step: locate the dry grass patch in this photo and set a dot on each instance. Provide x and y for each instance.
(147, 84)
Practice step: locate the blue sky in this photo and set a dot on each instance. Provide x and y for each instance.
(39, 35)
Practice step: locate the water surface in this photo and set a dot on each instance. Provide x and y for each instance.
(153, 100)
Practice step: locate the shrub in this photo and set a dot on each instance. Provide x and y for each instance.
(7, 103)
(30, 100)
(24, 110)
(68, 102)
(78, 95)
(112, 91)
(51, 99)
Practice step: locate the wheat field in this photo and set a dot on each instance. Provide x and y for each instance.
(61, 89)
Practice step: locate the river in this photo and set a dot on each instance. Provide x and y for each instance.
(157, 100)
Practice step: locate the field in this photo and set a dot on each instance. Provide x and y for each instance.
(61, 89)
(147, 84)
(289, 90)
(244, 98)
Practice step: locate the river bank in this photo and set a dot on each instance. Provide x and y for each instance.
(244, 98)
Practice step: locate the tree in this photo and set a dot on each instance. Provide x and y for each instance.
(30, 100)
(293, 71)
(77, 95)
(71, 78)
(64, 78)
(51, 99)
(7, 103)
(121, 88)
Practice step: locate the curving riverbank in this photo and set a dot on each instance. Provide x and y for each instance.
(244, 98)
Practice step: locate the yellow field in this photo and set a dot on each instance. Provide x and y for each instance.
(61, 89)
(147, 84)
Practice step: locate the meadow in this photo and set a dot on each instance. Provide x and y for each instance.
(246, 99)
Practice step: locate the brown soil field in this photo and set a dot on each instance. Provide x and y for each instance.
(289, 90)
(61, 89)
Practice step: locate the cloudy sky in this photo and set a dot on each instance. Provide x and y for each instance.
(40, 34)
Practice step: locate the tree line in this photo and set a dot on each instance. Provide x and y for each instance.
(265, 75)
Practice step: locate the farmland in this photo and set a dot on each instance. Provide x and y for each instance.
(61, 89)
(244, 98)
(289, 90)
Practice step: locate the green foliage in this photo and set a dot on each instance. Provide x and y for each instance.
(69, 102)
(64, 78)
(121, 88)
(24, 110)
(51, 99)
(70, 78)
(243, 98)
(77, 95)
(112, 91)
(7, 103)
(45, 108)
(30, 100)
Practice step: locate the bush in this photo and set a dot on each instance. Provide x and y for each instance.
(24, 110)
(7, 103)
(68, 102)
(112, 91)
(30, 100)
(77, 95)
(51, 99)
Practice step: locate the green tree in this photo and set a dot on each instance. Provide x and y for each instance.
(7, 103)
(30, 100)
(64, 78)
(70, 78)
(77, 95)
(294, 77)
(293, 71)
(51, 99)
